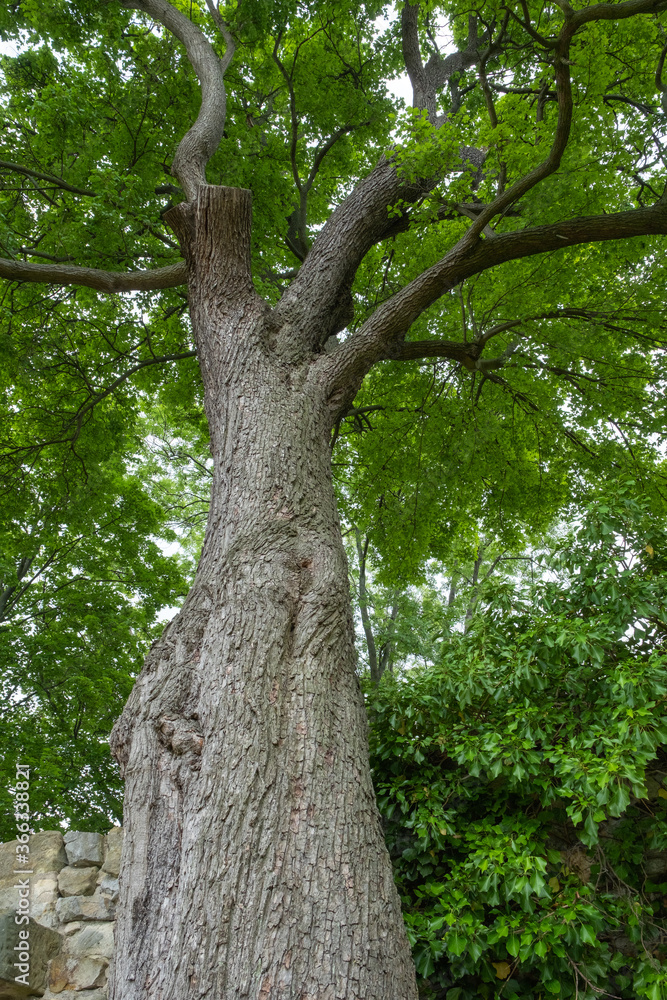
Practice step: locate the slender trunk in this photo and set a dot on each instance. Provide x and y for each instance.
(452, 586)
(254, 864)
(388, 646)
(362, 551)
(474, 583)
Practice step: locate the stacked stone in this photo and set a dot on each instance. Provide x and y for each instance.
(73, 894)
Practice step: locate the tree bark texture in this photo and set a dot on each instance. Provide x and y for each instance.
(254, 864)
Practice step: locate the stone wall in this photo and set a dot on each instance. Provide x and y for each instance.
(73, 890)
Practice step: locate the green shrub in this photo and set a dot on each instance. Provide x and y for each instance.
(520, 778)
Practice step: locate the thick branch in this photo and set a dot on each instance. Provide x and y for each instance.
(317, 303)
(201, 141)
(416, 350)
(468, 354)
(91, 277)
(421, 98)
(614, 11)
(382, 334)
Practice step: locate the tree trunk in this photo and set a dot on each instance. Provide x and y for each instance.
(254, 864)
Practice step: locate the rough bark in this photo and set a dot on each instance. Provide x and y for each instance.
(254, 864)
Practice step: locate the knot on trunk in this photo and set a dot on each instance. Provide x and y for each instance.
(182, 736)
(120, 742)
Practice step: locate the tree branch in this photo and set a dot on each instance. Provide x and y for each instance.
(297, 233)
(387, 649)
(230, 44)
(324, 149)
(573, 21)
(658, 78)
(201, 141)
(416, 350)
(92, 277)
(76, 419)
(39, 175)
(103, 393)
(614, 11)
(294, 129)
(552, 162)
(318, 303)
(381, 336)
(468, 353)
(547, 43)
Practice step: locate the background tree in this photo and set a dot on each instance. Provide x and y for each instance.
(247, 726)
(82, 578)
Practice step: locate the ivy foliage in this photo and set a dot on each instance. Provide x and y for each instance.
(522, 776)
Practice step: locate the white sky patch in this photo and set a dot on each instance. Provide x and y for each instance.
(401, 88)
(8, 49)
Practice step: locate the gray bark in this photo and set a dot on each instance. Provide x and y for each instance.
(254, 864)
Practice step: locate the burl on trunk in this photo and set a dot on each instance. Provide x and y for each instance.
(254, 864)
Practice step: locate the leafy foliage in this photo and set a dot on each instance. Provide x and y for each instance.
(521, 777)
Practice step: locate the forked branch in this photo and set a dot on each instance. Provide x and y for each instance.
(573, 21)
(315, 303)
(428, 80)
(362, 220)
